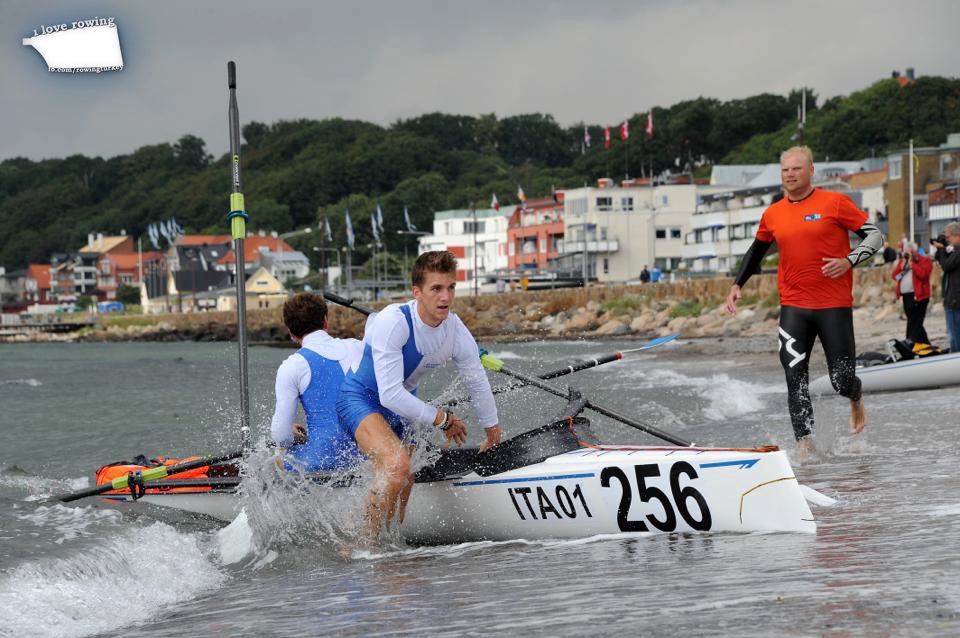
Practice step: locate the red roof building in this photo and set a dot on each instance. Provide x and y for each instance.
(37, 283)
(534, 231)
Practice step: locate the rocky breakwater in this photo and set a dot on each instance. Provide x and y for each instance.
(692, 308)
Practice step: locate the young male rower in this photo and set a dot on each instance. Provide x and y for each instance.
(313, 376)
(378, 401)
(811, 228)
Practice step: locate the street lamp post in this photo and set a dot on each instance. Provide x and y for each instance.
(476, 282)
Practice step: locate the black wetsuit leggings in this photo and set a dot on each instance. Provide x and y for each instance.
(798, 329)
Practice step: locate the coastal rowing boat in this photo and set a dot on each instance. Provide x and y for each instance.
(557, 482)
(912, 374)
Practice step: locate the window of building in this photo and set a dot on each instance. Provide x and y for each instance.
(512, 247)
(664, 200)
(626, 203)
(895, 172)
(676, 233)
(661, 233)
(604, 203)
(698, 236)
(126, 279)
(543, 244)
(576, 206)
(105, 266)
(446, 228)
(603, 233)
(471, 227)
(606, 266)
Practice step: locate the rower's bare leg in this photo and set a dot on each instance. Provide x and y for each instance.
(405, 492)
(858, 415)
(391, 463)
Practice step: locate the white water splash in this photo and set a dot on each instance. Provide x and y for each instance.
(124, 580)
(69, 522)
(33, 383)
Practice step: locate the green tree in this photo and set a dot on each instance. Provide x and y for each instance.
(128, 295)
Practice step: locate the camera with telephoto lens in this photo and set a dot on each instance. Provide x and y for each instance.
(941, 239)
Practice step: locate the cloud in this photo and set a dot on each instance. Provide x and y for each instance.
(382, 60)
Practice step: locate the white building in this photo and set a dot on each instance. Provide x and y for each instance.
(725, 224)
(626, 228)
(459, 230)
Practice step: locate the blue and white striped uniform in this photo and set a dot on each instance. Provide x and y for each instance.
(313, 376)
(399, 348)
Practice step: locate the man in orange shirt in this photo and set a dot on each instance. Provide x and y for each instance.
(811, 228)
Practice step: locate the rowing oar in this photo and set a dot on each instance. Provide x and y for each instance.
(347, 303)
(586, 364)
(152, 474)
(492, 363)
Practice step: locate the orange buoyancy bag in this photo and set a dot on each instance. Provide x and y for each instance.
(108, 473)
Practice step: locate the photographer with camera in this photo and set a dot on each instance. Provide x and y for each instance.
(948, 256)
(912, 275)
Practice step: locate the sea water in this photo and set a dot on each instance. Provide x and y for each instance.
(885, 559)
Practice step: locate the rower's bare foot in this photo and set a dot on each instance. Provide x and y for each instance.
(858, 416)
(805, 449)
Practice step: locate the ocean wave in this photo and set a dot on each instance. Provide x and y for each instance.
(106, 587)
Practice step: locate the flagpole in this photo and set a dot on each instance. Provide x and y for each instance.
(910, 204)
(476, 284)
(238, 227)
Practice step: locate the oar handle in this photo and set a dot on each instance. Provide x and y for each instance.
(347, 303)
(151, 474)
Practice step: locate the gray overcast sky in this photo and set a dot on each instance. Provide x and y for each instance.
(380, 60)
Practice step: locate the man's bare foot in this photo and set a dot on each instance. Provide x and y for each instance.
(805, 449)
(858, 416)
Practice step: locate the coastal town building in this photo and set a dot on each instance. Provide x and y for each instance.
(12, 285)
(943, 205)
(932, 166)
(534, 233)
(36, 283)
(459, 230)
(617, 230)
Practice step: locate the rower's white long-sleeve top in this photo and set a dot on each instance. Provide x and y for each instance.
(293, 378)
(388, 333)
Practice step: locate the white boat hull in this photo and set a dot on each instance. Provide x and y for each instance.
(912, 374)
(591, 491)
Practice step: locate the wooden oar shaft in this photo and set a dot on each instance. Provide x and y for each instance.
(149, 474)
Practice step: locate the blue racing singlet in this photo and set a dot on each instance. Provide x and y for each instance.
(328, 446)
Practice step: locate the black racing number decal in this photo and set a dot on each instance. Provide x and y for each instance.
(646, 493)
(626, 497)
(682, 495)
(566, 502)
(578, 493)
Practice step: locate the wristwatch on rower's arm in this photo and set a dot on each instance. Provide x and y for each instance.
(446, 421)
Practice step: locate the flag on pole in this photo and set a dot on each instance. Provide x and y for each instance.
(373, 226)
(650, 124)
(494, 204)
(406, 220)
(177, 228)
(625, 130)
(606, 137)
(350, 237)
(326, 229)
(379, 218)
(162, 228)
(521, 195)
(154, 238)
(586, 137)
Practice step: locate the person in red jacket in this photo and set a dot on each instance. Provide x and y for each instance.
(912, 274)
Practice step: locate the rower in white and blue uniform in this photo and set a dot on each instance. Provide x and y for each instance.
(312, 376)
(378, 399)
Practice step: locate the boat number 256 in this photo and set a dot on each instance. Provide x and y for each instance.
(682, 498)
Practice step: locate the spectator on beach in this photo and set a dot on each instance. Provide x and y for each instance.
(948, 256)
(655, 274)
(644, 275)
(501, 285)
(912, 275)
(525, 283)
(513, 285)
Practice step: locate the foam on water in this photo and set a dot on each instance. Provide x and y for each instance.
(123, 580)
(69, 522)
(33, 383)
(726, 397)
